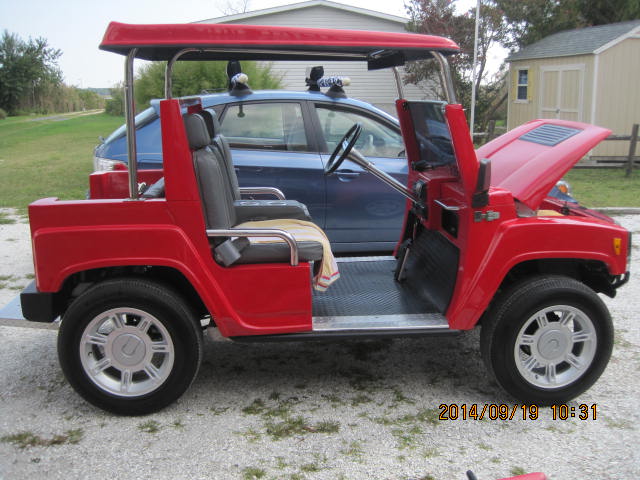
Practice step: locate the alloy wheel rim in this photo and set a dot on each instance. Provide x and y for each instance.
(127, 352)
(555, 346)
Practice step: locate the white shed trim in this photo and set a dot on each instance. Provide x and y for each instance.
(594, 88)
(630, 34)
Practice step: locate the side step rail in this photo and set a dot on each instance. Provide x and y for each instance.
(364, 327)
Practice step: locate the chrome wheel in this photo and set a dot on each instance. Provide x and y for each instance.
(127, 352)
(555, 346)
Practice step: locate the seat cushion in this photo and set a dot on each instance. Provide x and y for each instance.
(248, 210)
(308, 251)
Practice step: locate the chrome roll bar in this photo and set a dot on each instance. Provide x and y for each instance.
(130, 115)
(170, 63)
(445, 77)
(260, 232)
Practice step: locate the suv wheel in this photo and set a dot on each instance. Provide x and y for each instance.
(130, 346)
(547, 340)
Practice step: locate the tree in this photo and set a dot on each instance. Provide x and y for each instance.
(531, 20)
(191, 78)
(439, 17)
(601, 12)
(233, 7)
(27, 69)
(115, 105)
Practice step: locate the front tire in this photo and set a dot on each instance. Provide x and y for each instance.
(130, 346)
(547, 340)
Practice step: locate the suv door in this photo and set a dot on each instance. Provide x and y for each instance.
(272, 148)
(361, 209)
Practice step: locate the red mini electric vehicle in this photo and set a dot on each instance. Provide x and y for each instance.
(136, 280)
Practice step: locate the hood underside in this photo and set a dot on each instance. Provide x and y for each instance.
(530, 159)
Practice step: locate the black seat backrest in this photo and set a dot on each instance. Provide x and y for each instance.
(215, 193)
(222, 145)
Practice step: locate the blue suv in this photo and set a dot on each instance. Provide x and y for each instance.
(283, 139)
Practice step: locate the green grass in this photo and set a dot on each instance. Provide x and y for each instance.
(605, 187)
(150, 426)
(48, 158)
(252, 473)
(29, 439)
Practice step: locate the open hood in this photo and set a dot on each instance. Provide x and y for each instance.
(529, 160)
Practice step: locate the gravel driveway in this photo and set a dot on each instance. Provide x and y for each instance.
(355, 410)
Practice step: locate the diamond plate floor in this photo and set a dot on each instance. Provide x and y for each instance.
(368, 288)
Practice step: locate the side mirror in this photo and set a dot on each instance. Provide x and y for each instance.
(481, 194)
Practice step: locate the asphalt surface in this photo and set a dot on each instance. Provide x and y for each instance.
(355, 410)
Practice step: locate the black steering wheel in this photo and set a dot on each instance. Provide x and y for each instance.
(343, 149)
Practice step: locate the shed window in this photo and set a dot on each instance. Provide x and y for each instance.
(523, 84)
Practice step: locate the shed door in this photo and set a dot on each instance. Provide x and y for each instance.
(561, 92)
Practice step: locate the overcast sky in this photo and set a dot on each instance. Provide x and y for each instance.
(76, 26)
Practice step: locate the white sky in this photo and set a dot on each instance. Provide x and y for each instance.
(76, 26)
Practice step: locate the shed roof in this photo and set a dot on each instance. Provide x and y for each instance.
(307, 4)
(581, 41)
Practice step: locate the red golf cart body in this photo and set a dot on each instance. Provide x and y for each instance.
(480, 235)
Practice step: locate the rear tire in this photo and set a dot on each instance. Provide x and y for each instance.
(130, 346)
(547, 340)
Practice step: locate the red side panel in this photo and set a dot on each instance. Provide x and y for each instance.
(180, 180)
(501, 246)
(76, 236)
(463, 146)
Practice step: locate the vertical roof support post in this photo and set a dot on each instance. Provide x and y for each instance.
(445, 77)
(130, 115)
(168, 82)
(396, 75)
(168, 71)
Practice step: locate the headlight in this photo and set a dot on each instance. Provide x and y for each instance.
(105, 164)
(564, 187)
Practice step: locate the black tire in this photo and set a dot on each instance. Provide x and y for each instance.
(130, 346)
(553, 363)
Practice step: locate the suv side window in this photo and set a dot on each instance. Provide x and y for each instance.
(265, 126)
(376, 140)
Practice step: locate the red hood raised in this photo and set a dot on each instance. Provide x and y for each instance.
(530, 159)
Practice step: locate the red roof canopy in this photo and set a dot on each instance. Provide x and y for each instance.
(256, 42)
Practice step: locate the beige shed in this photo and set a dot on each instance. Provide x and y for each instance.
(377, 88)
(588, 75)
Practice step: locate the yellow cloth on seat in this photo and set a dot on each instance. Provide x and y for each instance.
(548, 213)
(301, 231)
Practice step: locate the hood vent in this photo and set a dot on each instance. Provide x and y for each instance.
(549, 135)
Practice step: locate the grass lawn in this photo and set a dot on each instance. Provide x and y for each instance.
(605, 187)
(48, 158)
